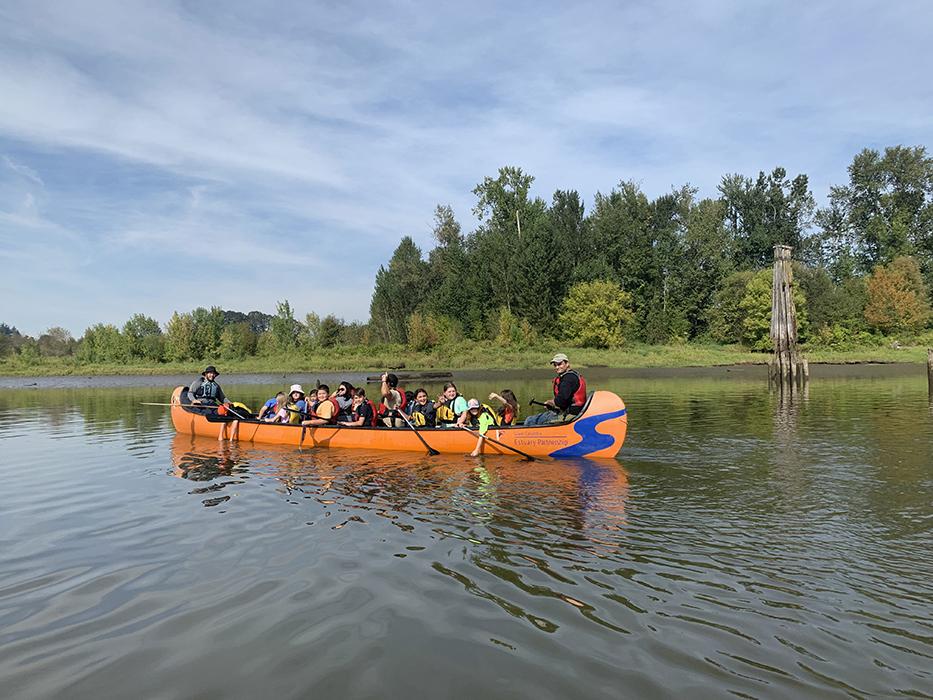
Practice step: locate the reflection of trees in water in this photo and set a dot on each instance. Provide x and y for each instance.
(100, 410)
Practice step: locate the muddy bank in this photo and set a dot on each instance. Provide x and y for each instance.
(593, 374)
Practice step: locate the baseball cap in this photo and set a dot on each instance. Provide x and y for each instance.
(559, 357)
(473, 403)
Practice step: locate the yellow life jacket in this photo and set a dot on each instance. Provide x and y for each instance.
(294, 415)
(444, 413)
(495, 414)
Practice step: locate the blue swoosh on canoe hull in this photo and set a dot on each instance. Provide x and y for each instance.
(591, 440)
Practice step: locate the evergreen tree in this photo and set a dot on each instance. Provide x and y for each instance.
(399, 288)
(448, 268)
(508, 241)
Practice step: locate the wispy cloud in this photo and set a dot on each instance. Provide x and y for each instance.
(291, 146)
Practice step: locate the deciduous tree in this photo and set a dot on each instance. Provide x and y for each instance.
(897, 298)
(595, 314)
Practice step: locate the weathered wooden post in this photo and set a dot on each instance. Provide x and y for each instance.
(930, 371)
(787, 368)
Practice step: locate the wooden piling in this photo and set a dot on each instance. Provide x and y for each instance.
(930, 371)
(789, 369)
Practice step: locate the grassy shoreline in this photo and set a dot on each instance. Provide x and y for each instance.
(468, 356)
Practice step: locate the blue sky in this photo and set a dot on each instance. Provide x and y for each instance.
(158, 156)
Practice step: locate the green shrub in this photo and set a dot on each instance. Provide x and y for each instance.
(725, 315)
(595, 314)
(509, 330)
(839, 337)
(422, 332)
(755, 307)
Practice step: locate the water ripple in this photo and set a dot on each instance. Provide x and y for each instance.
(747, 547)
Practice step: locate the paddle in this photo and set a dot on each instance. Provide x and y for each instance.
(431, 450)
(196, 405)
(500, 444)
(538, 403)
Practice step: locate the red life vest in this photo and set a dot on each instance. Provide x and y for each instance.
(579, 396)
(374, 419)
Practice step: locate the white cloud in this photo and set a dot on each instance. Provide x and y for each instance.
(314, 136)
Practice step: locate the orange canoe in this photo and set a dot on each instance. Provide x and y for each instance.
(598, 431)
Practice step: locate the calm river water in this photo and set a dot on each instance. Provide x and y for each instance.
(740, 546)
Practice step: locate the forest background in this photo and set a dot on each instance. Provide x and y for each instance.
(675, 280)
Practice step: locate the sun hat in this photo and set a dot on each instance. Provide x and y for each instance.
(296, 387)
(473, 403)
(210, 368)
(559, 357)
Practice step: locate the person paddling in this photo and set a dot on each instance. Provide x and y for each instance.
(569, 394)
(205, 389)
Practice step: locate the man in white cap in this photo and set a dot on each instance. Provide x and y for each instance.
(569, 394)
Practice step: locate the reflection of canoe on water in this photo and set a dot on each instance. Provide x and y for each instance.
(598, 431)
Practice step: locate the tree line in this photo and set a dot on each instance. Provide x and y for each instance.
(675, 268)
(202, 334)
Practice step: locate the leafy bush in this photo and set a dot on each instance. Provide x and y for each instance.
(897, 298)
(510, 330)
(422, 332)
(754, 311)
(427, 330)
(840, 337)
(595, 314)
(725, 315)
